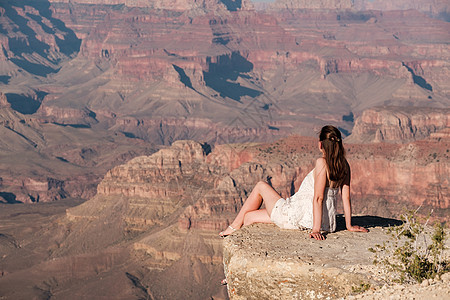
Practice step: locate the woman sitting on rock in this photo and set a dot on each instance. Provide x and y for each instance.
(314, 205)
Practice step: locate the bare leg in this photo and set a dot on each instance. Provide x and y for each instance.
(261, 192)
(257, 216)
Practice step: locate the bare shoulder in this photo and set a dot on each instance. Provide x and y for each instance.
(321, 163)
(321, 166)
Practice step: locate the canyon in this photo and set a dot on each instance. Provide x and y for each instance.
(154, 221)
(132, 131)
(153, 72)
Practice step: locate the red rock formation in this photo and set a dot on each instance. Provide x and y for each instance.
(395, 124)
(39, 162)
(176, 5)
(310, 4)
(145, 72)
(434, 7)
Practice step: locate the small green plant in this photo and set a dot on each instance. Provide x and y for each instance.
(411, 255)
(361, 288)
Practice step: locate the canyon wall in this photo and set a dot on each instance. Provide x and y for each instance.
(396, 124)
(210, 187)
(433, 7)
(266, 72)
(43, 162)
(176, 5)
(213, 74)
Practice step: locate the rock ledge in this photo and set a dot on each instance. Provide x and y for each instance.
(262, 261)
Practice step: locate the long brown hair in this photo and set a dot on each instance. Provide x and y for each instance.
(337, 164)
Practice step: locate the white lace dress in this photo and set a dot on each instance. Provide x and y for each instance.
(297, 211)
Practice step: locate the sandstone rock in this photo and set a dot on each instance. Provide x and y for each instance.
(262, 261)
(429, 6)
(395, 124)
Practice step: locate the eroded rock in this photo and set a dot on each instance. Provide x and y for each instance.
(262, 261)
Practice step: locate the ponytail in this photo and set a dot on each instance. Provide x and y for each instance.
(337, 164)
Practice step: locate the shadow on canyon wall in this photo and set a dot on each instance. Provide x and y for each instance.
(23, 48)
(9, 198)
(232, 5)
(25, 104)
(419, 80)
(5, 79)
(229, 68)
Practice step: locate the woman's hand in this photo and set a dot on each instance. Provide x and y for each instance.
(316, 235)
(355, 228)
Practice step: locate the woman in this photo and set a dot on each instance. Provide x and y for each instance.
(314, 205)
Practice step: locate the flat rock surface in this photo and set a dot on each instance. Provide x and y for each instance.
(288, 264)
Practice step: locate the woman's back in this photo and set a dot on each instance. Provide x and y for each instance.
(297, 211)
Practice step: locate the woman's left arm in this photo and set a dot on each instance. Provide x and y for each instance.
(348, 206)
(320, 181)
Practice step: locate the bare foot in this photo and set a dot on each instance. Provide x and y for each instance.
(227, 231)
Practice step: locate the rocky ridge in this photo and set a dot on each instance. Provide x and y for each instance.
(176, 5)
(394, 124)
(437, 8)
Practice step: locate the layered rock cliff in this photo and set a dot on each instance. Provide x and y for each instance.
(176, 5)
(33, 40)
(437, 8)
(308, 4)
(397, 124)
(203, 190)
(44, 162)
(147, 67)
